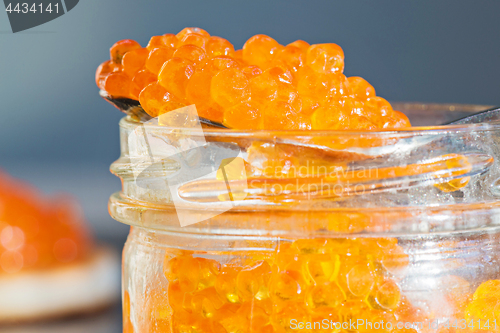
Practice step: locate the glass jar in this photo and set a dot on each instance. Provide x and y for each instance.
(389, 231)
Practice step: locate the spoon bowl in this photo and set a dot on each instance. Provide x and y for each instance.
(134, 109)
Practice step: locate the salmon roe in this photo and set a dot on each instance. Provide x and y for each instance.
(38, 233)
(265, 85)
(305, 280)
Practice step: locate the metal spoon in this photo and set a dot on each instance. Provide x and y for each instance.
(487, 116)
(133, 108)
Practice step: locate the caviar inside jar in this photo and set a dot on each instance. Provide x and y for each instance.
(336, 281)
(265, 85)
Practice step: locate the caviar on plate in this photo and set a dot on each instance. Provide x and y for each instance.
(37, 233)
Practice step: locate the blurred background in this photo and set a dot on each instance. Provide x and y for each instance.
(58, 134)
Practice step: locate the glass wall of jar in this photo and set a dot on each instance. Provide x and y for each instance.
(258, 231)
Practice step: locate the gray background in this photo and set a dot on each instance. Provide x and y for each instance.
(57, 133)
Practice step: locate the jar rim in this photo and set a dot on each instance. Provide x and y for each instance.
(282, 222)
(444, 159)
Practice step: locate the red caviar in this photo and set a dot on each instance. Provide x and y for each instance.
(297, 86)
(36, 232)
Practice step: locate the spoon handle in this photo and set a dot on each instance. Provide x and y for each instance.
(341, 184)
(133, 108)
(486, 116)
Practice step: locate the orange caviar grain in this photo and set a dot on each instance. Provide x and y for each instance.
(118, 50)
(325, 58)
(309, 104)
(484, 303)
(487, 289)
(383, 107)
(192, 30)
(140, 81)
(259, 50)
(230, 87)
(360, 88)
(210, 269)
(361, 279)
(264, 88)
(155, 42)
(217, 46)
(185, 269)
(226, 283)
(157, 57)
(361, 122)
(175, 74)
(117, 84)
(325, 295)
(388, 295)
(245, 115)
(177, 291)
(206, 302)
(192, 53)
(198, 93)
(170, 103)
(252, 281)
(292, 56)
(321, 88)
(134, 60)
(322, 268)
(194, 39)
(198, 89)
(170, 40)
(286, 286)
(279, 115)
(275, 84)
(281, 74)
(300, 44)
(103, 70)
(216, 64)
(151, 98)
(289, 94)
(251, 71)
(167, 41)
(455, 184)
(330, 117)
(304, 121)
(339, 85)
(397, 120)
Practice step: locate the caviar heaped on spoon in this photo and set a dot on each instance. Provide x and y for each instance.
(263, 86)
